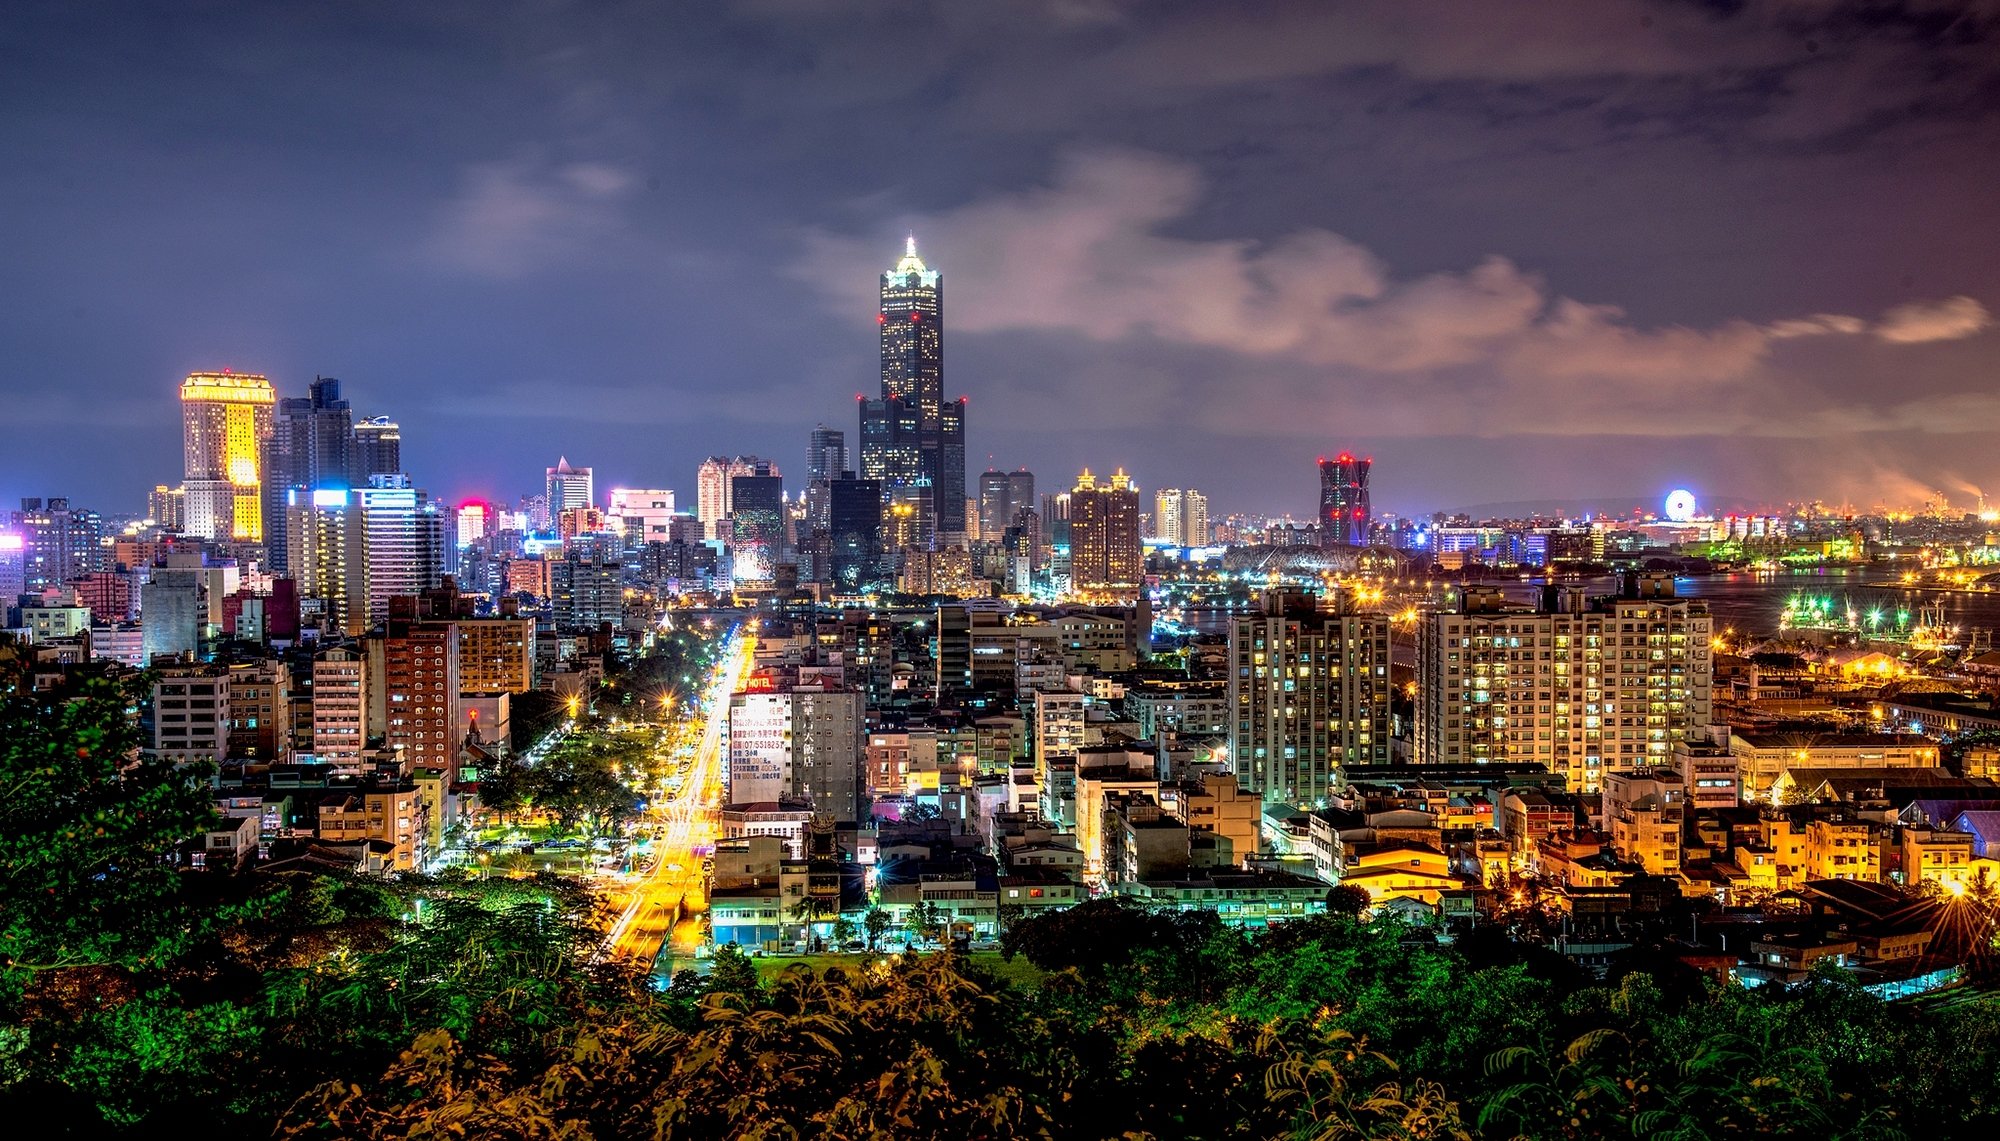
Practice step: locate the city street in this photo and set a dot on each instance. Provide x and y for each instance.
(667, 901)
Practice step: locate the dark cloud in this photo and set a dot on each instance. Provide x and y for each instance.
(1571, 248)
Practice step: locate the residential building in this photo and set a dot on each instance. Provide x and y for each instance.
(1308, 692)
(1576, 684)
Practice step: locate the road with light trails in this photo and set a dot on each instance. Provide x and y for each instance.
(669, 900)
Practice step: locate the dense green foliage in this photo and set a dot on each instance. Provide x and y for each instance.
(84, 829)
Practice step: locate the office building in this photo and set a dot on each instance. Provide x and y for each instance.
(641, 515)
(854, 531)
(826, 459)
(378, 449)
(173, 611)
(1105, 555)
(311, 446)
(757, 523)
(405, 541)
(1308, 692)
(1579, 684)
(1344, 513)
(191, 713)
(328, 555)
(225, 421)
(910, 434)
(1006, 499)
(568, 487)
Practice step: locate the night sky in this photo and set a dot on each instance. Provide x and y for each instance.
(1586, 249)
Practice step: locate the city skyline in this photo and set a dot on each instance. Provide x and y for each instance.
(1139, 251)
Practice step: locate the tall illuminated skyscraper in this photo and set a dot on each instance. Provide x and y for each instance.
(1344, 513)
(225, 421)
(568, 487)
(378, 449)
(311, 447)
(1105, 552)
(911, 436)
(826, 458)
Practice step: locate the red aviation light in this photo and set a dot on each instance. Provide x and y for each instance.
(916, 316)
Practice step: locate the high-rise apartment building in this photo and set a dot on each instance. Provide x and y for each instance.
(1181, 517)
(420, 689)
(568, 487)
(59, 543)
(911, 436)
(797, 741)
(713, 489)
(1105, 552)
(225, 421)
(1344, 513)
(339, 706)
(1579, 684)
(167, 507)
(586, 593)
(1308, 693)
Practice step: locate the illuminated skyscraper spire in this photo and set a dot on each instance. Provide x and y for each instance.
(912, 437)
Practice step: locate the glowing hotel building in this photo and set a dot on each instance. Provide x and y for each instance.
(225, 419)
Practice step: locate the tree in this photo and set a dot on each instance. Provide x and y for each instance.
(843, 930)
(920, 922)
(86, 823)
(876, 923)
(732, 971)
(1348, 900)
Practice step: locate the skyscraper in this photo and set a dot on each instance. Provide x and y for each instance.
(312, 445)
(757, 516)
(996, 508)
(1343, 501)
(225, 420)
(328, 554)
(1105, 554)
(405, 538)
(378, 449)
(855, 533)
(911, 435)
(712, 490)
(826, 458)
(568, 487)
